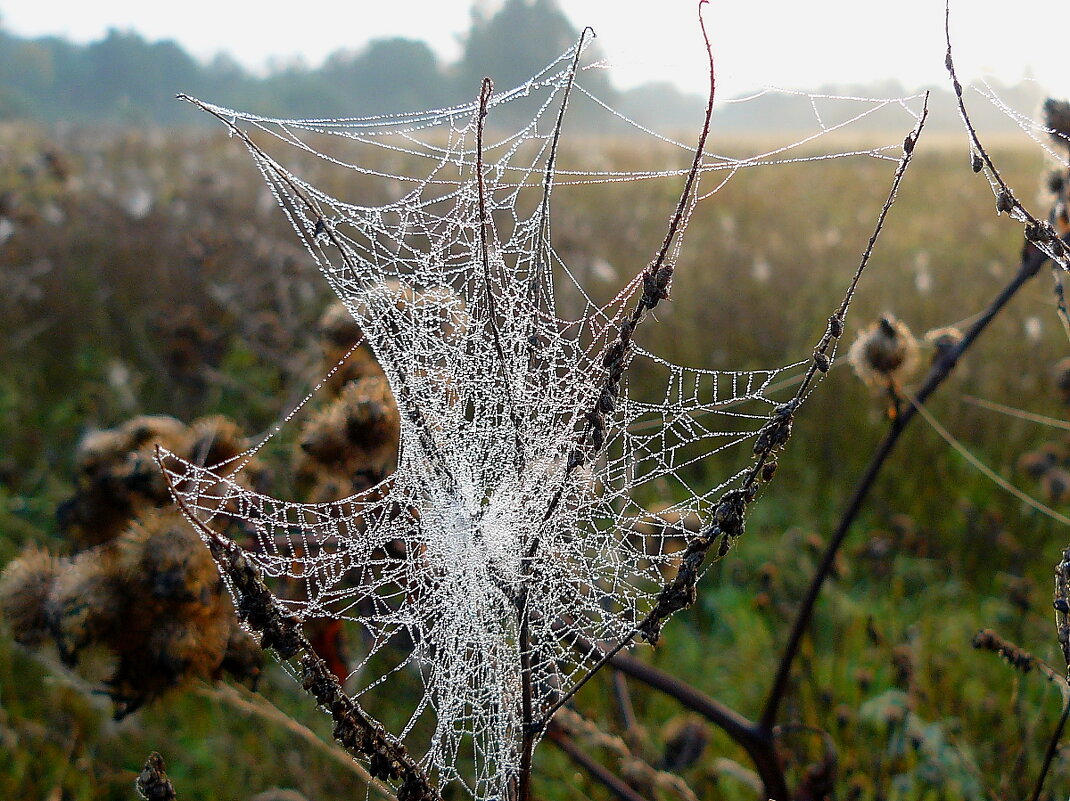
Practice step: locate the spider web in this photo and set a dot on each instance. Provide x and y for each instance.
(472, 314)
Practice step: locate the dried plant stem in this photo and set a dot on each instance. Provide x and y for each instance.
(1025, 662)
(589, 733)
(355, 730)
(592, 767)
(729, 514)
(1038, 232)
(251, 703)
(1032, 260)
(1060, 298)
(624, 702)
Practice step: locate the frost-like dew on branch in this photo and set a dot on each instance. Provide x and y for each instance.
(498, 360)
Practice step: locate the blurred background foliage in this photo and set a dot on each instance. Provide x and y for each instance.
(145, 270)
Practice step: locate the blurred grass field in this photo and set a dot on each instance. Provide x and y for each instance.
(152, 273)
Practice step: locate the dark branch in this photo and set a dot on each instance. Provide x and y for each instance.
(596, 770)
(356, 731)
(1032, 260)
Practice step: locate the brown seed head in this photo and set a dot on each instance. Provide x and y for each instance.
(1055, 485)
(214, 440)
(885, 353)
(25, 585)
(88, 601)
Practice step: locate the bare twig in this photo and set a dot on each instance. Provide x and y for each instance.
(595, 769)
(1025, 662)
(251, 703)
(624, 702)
(631, 766)
(1032, 260)
(1037, 234)
(728, 518)
(357, 732)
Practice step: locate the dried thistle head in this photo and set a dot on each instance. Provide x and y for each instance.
(87, 602)
(214, 440)
(356, 436)
(117, 477)
(1055, 485)
(337, 327)
(1057, 120)
(25, 585)
(884, 353)
(99, 452)
(685, 738)
(152, 429)
(339, 332)
(190, 342)
(243, 658)
(1036, 463)
(167, 568)
(154, 599)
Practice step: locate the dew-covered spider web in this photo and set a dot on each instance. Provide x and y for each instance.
(475, 564)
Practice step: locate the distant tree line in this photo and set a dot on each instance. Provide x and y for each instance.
(124, 79)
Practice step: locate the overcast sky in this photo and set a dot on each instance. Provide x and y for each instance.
(786, 43)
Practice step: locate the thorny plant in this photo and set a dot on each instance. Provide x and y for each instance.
(388, 757)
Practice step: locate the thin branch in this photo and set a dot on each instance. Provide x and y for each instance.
(252, 703)
(1051, 751)
(1037, 235)
(1025, 662)
(356, 731)
(730, 510)
(624, 702)
(596, 770)
(1039, 232)
(655, 279)
(1032, 260)
(1060, 298)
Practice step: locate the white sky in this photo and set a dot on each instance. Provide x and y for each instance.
(787, 43)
